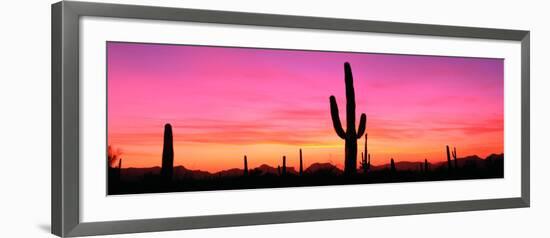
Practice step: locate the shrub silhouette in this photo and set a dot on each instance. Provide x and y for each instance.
(167, 153)
(112, 156)
(349, 135)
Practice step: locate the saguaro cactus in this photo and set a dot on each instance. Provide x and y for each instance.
(366, 140)
(448, 158)
(368, 162)
(392, 166)
(167, 153)
(301, 166)
(350, 135)
(283, 171)
(119, 170)
(454, 157)
(245, 172)
(365, 163)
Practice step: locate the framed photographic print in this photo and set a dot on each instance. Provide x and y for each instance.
(168, 118)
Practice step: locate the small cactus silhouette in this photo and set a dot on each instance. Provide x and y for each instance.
(301, 166)
(365, 162)
(392, 166)
(283, 171)
(245, 172)
(119, 170)
(448, 159)
(167, 153)
(454, 157)
(350, 135)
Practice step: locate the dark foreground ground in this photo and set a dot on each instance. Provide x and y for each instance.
(137, 181)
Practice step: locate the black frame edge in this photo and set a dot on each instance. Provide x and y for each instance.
(56, 123)
(65, 118)
(526, 118)
(199, 222)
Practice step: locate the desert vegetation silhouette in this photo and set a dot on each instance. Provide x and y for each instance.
(170, 178)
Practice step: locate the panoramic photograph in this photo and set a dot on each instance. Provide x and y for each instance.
(184, 118)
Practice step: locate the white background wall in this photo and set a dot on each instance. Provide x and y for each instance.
(25, 117)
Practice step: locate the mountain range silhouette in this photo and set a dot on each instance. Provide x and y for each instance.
(181, 172)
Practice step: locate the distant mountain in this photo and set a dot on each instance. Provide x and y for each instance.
(266, 169)
(471, 161)
(181, 172)
(230, 173)
(133, 174)
(323, 168)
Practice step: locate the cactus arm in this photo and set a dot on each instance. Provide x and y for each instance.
(336, 118)
(350, 98)
(362, 125)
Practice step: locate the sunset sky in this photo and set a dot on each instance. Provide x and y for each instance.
(224, 103)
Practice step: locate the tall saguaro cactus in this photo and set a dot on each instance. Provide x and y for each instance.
(168, 153)
(245, 172)
(350, 135)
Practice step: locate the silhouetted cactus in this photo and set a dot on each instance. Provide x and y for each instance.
(368, 162)
(301, 166)
(366, 143)
(119, 170)
(167, 153)
(448, 158)
(279, 170)
(392, 166)
(245, 171)
(454, 157)
(283, 171)
(365, 163)
(350, 135)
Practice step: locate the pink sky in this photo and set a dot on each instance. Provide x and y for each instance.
(224, 103)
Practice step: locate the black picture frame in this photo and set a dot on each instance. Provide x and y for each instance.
(65, 118)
